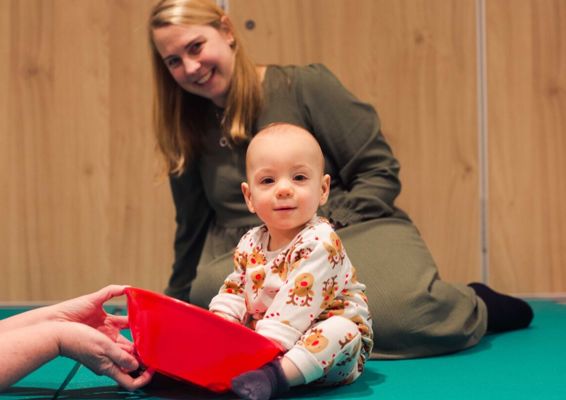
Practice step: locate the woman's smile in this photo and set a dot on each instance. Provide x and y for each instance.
(205, 78)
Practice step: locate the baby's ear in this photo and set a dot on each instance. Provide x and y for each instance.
(325, 187)
(247, 196)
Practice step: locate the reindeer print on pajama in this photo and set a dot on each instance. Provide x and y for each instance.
(306, 297)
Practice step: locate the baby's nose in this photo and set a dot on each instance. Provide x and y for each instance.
(284, 191)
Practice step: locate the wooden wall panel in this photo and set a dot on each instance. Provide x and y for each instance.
(6, 203)
(143, 217)
(415, 61)
(80, 206)
(526, 54)
(83, 208)
(26, 119)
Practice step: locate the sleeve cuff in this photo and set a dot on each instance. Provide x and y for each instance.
(229, 304)
(283, 334)
(341, 217)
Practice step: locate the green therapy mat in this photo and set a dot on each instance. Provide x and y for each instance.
(527, 364)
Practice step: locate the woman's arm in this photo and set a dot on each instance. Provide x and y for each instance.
(365, 180)
(193, 215)
(230, 301)
(25, 349)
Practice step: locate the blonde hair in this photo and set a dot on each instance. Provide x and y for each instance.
(179, 117)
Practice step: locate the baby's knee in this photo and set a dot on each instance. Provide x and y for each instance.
(330, 349)
(337, 324)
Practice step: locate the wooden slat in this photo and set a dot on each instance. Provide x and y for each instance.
(83, 206)
(141, 213)
(27, 117)
(80, 208)
(527, 144)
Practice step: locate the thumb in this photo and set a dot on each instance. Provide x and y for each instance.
(129, 382)
(121, 358)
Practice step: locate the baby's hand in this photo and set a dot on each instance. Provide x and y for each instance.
(226, 316)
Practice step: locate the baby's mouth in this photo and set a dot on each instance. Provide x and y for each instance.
(285, 208)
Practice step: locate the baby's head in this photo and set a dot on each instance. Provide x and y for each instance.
(285, 177)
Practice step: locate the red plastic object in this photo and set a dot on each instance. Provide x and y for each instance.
(186, 342)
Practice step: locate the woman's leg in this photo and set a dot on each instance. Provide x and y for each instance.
(209, 279)
(415, 314)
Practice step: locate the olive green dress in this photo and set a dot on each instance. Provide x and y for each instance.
(414, 313)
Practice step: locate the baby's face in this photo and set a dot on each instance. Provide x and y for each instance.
(286, 182)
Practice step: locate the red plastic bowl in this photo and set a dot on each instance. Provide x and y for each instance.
(187, 342)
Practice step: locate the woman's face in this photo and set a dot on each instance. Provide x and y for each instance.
(199, 57)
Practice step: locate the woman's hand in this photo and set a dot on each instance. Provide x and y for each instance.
(88, 334)
(79, 329)
(100, 354)
(89, 310)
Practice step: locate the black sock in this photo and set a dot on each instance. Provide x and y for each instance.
(504, 313)
(261, 384)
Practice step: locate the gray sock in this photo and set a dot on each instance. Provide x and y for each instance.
(261, 384)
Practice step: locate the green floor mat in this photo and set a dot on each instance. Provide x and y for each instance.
(526, 364)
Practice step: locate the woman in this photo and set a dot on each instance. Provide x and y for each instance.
(211, 98)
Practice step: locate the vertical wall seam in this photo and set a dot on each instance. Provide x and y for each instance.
(482, 137)
(223, 4)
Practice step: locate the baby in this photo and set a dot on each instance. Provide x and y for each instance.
(293, 282)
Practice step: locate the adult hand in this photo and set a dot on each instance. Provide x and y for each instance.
(78, 328)
(102, 349)
(99, 353)
(88, 309)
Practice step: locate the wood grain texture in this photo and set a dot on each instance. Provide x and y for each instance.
(415, 61)
(80, 207)
(527, 144)
(83, 207)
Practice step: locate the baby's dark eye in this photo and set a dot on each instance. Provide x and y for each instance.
(266, 181)
(300, 177)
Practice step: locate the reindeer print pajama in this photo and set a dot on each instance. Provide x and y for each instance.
(306, 297)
